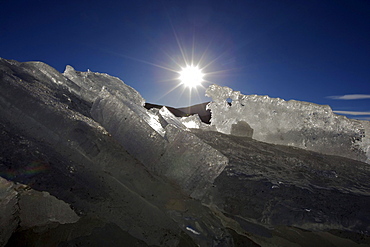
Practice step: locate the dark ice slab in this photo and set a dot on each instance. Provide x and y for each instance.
(275, 185)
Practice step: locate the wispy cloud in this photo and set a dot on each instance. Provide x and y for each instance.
(363, 118)
(350, 96)
(355, 113)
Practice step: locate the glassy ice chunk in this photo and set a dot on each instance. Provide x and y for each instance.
(170, 118)
(137, 130)
(192, 122)
(172, 151)
(295, 123)
(365, 143)
(91, 84)
(190, 162)
(36, 72)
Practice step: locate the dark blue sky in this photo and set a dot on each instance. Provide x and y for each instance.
(304, 50)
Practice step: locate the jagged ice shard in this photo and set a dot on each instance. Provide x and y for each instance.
(294, 123)
(91, 83)
(159, 140)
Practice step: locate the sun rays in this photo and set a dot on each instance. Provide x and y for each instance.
(189, 65)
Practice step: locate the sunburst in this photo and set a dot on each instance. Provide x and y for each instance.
(191, 76)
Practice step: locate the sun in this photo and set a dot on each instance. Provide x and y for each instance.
(191, 76)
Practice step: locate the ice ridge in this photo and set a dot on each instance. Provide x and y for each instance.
(91, 84)
(294, 123)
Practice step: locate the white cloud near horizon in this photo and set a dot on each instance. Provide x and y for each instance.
(350, 96)
(355, 113)
(364, 118)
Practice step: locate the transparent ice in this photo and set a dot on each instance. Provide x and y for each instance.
(138, 130)
(294, 123)
(91, 84)
(159, 140)
(169, 118)
(190, 161)
(194, 122)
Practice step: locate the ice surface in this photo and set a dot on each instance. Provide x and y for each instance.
(81, 163)
(36, 72)
(49, 210)
(241, 128)
(117, 107)
(280, 185)
(49, 75)
(21, 206)
(160, 141)
(91, 84)
(194, 122)
(183, 123)
(295, 123)
(170, 118)
(267, 194)
(9, 219)
(191, 162)
(164, 117)
(138, 130)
